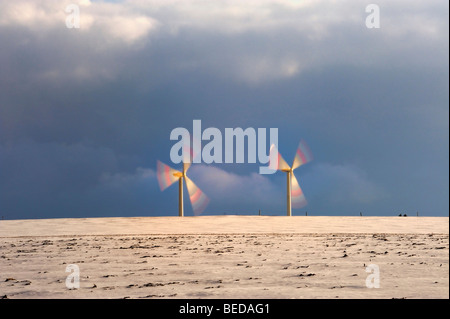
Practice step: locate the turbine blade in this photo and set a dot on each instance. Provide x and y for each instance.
(303, 155)
(198, 199)
(196, 151)
(186, 167)
(191, 154)
(187, 156)
(165, 175)
(276, 161)
(297, 197)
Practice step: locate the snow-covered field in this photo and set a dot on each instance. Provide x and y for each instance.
(226, 257)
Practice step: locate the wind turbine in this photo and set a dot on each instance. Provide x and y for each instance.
(167, 176)
(295, 196)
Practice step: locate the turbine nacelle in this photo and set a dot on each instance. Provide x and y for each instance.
(179, 174)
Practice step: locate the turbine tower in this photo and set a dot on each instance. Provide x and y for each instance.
(295, 196)
(167, 176)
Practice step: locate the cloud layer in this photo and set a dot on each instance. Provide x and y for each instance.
(85, 113)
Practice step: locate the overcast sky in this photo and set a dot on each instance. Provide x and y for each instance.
(85, 113)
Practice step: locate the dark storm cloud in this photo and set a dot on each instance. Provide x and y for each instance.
(85, 113)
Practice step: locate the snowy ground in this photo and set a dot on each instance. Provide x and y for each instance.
(225, 257)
